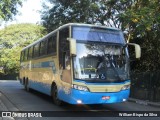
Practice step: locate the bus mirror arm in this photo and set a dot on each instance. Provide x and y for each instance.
(137, 49)
(72, 46)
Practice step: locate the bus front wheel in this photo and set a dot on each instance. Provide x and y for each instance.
(55, 96)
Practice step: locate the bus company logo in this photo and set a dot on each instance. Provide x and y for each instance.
(6, 114)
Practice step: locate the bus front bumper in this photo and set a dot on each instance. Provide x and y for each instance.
(83, 97)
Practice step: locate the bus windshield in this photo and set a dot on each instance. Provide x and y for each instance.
(98, 34)
(101, 62)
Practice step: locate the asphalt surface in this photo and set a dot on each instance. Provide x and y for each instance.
(13, 97)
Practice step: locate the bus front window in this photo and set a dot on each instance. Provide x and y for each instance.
(101, 62)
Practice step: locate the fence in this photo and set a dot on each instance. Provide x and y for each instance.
(9, 77)
(146, 86)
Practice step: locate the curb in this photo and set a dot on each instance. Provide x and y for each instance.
(2, 106)
(7, 104)
(143, 102)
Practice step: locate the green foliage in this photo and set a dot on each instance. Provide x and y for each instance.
(141, 22)
(139, 19)
(81, 11)
(8, 8)
(12, 39)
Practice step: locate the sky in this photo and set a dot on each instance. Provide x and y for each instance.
(28, 13)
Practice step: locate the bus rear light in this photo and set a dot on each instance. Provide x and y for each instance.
(105, 97)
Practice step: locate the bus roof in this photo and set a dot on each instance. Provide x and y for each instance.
(67, 25)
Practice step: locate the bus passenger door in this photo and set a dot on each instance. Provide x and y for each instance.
(66, 78)
(66, 72)
(64, 65)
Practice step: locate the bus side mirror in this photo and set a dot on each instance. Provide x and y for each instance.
(72, 46)
(137, 49)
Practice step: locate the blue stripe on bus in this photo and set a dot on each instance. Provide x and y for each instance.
(39, 86)
(47, 64)
(73, 95)
(43, 64)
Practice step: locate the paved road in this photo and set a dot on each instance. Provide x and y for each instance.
(15, 98)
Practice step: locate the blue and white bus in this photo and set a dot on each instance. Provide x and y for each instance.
(79, 64)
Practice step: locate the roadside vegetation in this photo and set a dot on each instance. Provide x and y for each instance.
(139, 19)
(12, 39)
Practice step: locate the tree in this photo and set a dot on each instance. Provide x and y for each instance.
(12, 39)
(139, 19)
(8, 8)
(105, 12)
(65, 11)
(141, 22)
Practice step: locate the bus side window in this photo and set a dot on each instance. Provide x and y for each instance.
(30, 53)
(51, 44)
(36, 50)
(22, 56)
(43, 46)
(26, 55)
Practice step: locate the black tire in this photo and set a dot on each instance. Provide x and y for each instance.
(26, 85)
(56, 101)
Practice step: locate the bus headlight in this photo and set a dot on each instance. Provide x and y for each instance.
(80, 87)
(125, 87)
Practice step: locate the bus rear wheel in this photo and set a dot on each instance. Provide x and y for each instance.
(55, 96)
(26, 86)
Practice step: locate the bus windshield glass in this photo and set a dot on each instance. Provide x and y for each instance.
(98, 34)
(101, 62)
